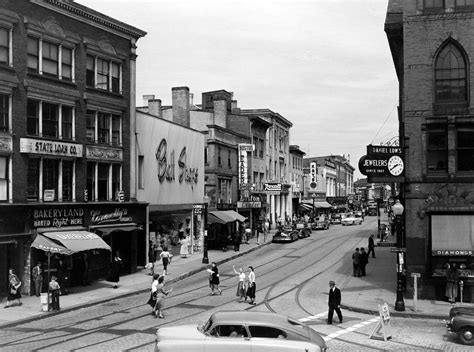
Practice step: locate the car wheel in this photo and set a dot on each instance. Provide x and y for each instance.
(466, 335)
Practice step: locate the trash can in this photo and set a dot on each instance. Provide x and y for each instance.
(44, 301)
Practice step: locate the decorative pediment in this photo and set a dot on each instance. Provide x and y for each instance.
(52, 26)
(106, 46)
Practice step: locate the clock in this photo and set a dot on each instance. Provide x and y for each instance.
(395, 165)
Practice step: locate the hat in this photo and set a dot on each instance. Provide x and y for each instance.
(332, 282)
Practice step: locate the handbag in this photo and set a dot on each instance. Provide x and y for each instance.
(13, 291)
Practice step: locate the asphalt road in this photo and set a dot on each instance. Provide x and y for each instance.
(292, 279)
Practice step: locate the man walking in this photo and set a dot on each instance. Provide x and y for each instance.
(371, 246)
(38, 278)
(334, 302)
(356, 263)
(364, 260)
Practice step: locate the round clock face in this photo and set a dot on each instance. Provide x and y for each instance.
(395, 165)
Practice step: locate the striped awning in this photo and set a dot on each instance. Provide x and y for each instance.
(69, 242)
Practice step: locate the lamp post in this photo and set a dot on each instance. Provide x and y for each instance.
(397, 209)
(205, 258)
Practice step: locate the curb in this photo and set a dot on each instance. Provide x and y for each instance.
(127, 294)
(414, 315)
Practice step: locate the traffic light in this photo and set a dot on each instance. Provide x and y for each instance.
(312, 173)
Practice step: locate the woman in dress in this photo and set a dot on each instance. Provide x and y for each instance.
(165, 259)
(14, 284)
(214, 279)
(158, 294)
(241, 285)
(252, 286)
(115, 270)
(184, 247)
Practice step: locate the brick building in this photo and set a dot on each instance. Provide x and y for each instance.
(432, 46)
(67, 102)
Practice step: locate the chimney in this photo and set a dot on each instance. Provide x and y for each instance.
(220, 113)
(154, 107)
(181, 110)
(146, 98)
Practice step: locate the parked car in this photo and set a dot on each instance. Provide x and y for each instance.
(241, 331)
(461, 322)
(372, 211)
(335, 218)
(303, 229)
(286, 234)
(320, 223)
(351, 219)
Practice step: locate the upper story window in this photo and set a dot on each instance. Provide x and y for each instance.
(219, 156)
(5, 45)
(104, 128)
(464, 3)
(450, 75)
(4, 113)
(49, 119)
(465, 148)
(50, 59)
(103, 74)
(437, 148)
(431, 4)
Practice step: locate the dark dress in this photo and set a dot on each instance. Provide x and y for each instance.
(214, 277)
(115, 270)
(13, 284)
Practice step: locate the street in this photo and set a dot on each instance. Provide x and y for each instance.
(292, 279)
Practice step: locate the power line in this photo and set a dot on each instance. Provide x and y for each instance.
(383, 123)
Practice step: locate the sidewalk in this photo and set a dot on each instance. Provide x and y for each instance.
(361, 294)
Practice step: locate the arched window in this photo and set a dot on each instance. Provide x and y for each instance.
(450, 75)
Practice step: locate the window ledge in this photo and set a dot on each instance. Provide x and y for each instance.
(52, 79)
(103, 91)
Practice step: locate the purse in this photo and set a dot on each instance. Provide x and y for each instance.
(13, 291)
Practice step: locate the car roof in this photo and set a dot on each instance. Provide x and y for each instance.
(246, 317)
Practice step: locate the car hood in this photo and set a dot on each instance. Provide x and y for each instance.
(461, 311)
(183, 332)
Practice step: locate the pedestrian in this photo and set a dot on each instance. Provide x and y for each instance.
(364, 260)
(214, 279)
(252, 286)
(267, 228)
(452, 280)
(237, 239)
(158, 294)
(334, 302)
(63, 277)
(165, 259)
(371, 246)
(115, 267)
(248, 234)
(85, 270)
(356, 263)
(184, 247)
(241, 285)
(54, 289)
(37, 274)
(14, 284)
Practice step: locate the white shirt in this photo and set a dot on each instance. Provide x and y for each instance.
(252, 277)
(241, 276)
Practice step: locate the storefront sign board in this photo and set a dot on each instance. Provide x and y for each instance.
(45, 147)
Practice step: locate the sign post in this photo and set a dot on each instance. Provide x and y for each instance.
(415, 277)
(383, 324)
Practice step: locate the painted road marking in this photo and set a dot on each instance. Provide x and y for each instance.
(341, 331)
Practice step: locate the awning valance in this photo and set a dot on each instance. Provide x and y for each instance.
(322, 205)
(69, 242)
(107, 229)
(235, 215)
(219, 217)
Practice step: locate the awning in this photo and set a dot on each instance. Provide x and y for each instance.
(219, 217)
(69, 242)
(306, 206)
(235, 215)
(107, 229)
(322, 205)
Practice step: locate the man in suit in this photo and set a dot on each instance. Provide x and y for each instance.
(371, 246)
(364, 260)
(334, 302)
(356, 263)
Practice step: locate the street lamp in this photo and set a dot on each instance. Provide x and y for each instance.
(205, 258)
(397, 209)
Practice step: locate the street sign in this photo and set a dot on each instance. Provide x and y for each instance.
(383, 324)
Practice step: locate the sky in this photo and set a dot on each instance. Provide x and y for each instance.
(325, 66)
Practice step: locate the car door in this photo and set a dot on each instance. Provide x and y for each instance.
(269, 339)
(228, 337)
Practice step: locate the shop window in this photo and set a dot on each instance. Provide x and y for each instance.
(32, 191)
(4, 45)
(3, 178)
(103, 182)
(49, 120)
(67, 179)
(32, 117)
(116, 184)
(141, 170)
(90, 180)
(66, 122)
(90, 125)
(103, 128)
(4, 113)
(437, 149)
(450, 75)
(465, 148)
(51, 175)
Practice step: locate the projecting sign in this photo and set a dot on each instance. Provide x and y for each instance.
(382, 161)
(243, 163)
(272, 188)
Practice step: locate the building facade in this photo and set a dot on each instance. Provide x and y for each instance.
(67, 92)
(432, 45)
(297, 177)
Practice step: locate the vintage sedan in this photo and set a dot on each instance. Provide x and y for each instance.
(461, 322)
(285, 234)
(320, 223)
(303, 230)
(238, 331)
(336, 218)
(351, 219)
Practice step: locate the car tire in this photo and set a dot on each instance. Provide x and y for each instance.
(466, 335)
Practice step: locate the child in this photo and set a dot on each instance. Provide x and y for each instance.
(54, 289)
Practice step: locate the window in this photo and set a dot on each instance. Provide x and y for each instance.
(90, 71)
(3, 178)
(141, 170)
(261, 149)
(102, 182)
(430, 4)
(229, 331)
(256, 145)
(116, 185)
(32, 117)
(4, 46)
(219, 158)
(50, 59)
(90, 183)
(66, 64)
(465, 148)
(450, 75)
(50, 120)
(229, 160)
(4, 113)
(464, 3)
(267, 332)
(103, 74)
(90, 126)
(32, 190)
(51, 175)
(109, 128)
(66, 122)
(115, 77)
(116, 128)
(33, 54)
(206, 152)
(67, 178)
(104, 128)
